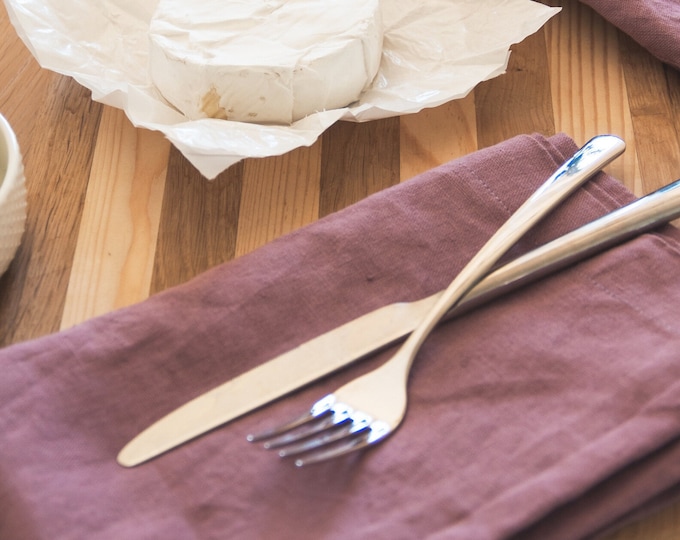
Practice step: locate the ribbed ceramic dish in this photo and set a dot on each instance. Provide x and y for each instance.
(12, 195)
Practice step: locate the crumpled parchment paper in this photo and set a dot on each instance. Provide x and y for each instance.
(433, 52)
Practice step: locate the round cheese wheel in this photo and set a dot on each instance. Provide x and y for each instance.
(263, 61)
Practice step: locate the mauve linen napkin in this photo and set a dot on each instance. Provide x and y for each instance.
(654, 24)
(549, 413)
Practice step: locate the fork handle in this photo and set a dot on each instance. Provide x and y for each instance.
(592, 157)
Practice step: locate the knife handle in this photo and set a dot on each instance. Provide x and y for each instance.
(640, 216)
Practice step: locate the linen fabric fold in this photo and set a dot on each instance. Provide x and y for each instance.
(550, 413)
(654, 24)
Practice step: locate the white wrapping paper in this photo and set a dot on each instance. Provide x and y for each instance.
(434, 51)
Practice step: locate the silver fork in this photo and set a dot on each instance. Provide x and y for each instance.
(369, 408)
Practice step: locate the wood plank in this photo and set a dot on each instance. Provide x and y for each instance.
(114, 257)
(588, 89)
(18, 71)
(673, 86)
(435, 136)
(661, 525)
(673, 89)
(356, 161)
(279, 194)
(199, 222)
(58, 158)
(656, 133)
(519, 101)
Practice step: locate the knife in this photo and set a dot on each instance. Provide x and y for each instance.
(350, 342)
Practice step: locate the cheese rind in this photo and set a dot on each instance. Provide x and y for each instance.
(264, 61)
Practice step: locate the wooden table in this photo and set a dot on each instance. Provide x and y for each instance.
(116, 214)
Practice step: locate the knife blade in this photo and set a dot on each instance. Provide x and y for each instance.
(368, 333)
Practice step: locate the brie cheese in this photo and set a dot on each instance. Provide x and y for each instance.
(263, 61)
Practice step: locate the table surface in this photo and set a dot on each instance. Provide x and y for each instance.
(116, 213)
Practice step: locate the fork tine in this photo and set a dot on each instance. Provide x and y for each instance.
(366, 437)
(283, 428)
(323, 439)
(353, 426)
(322, 424)
(321, 408)
(347, 446)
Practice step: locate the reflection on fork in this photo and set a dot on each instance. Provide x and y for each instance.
(331, 428)
(369, 408)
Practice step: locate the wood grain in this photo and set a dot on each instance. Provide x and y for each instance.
(356, 161)
(113, 261)
(57, 163)
(503, 106)
(435, 136)
(654, 126)
(116, 214)
(588, 88)
(278, 196)
(199, 222)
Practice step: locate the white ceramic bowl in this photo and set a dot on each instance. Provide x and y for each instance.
(12, 195)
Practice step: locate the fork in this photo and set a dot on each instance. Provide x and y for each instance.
(369, 408)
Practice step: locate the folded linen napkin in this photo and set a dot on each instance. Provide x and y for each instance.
(654, 24)
(551, 412)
